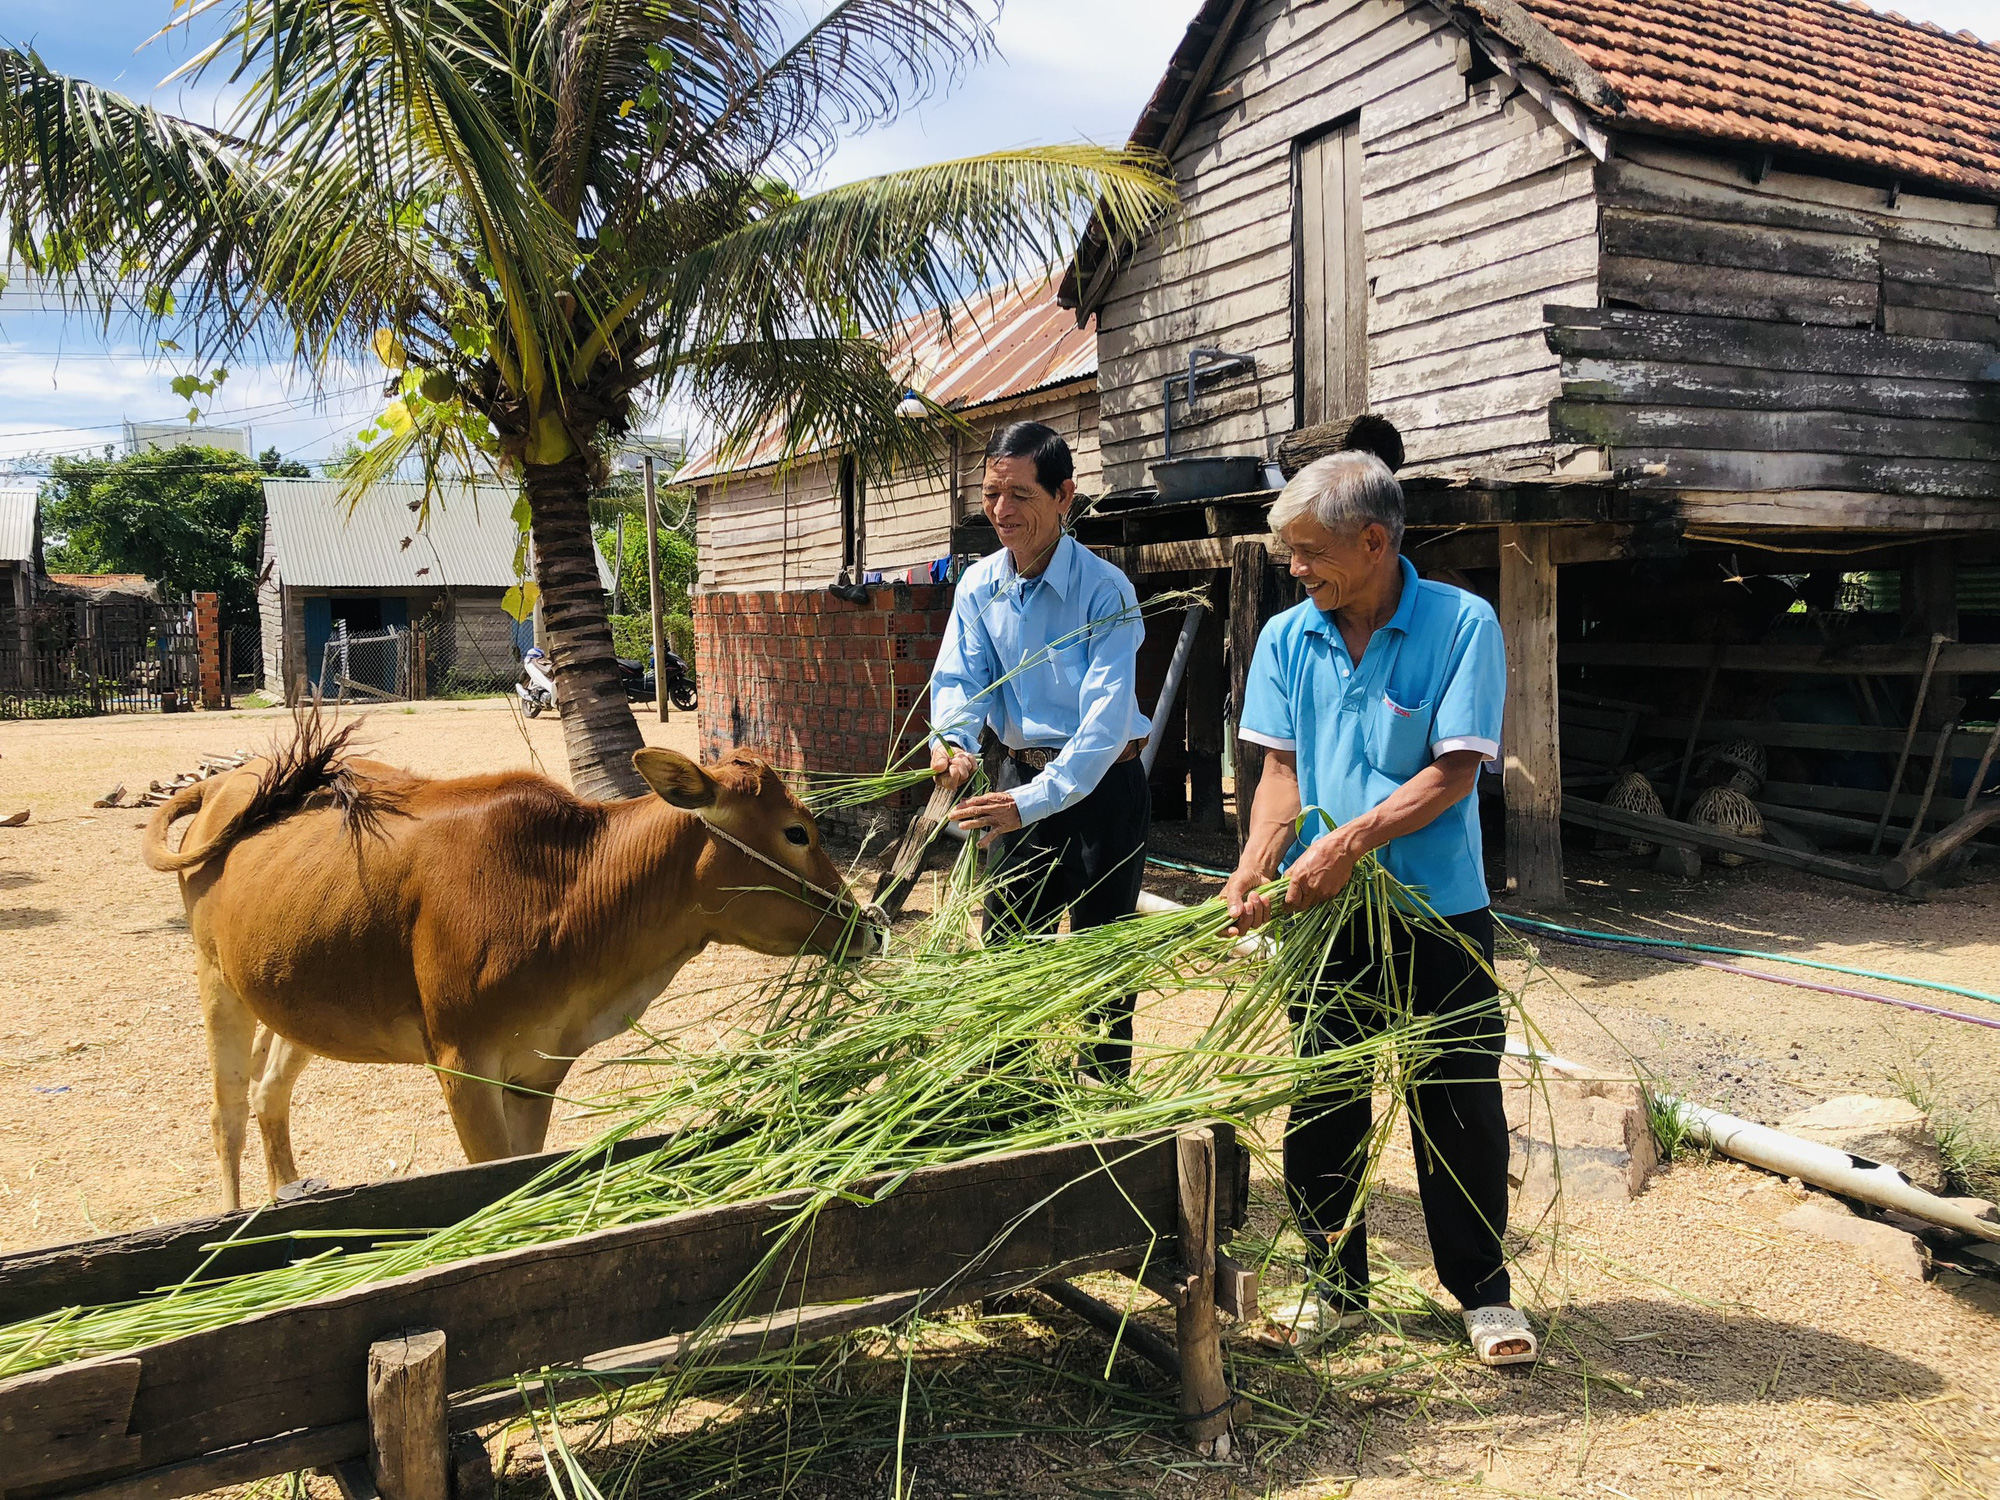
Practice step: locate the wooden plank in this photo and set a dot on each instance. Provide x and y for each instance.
(1532, 754)
(118, 1268)
(1624, 183)
(298, 1368)
(1699, 242)
(312, 1448)
(1849, 661)
(1776, 734)
(1252, 601)
(1932, 265)
(1207, 1405)
(1738, 430)
(68, 1422)
(1726, 502)
(409, 1445)
(1662, 383)
(1900, 317)
(1879, 876)
(1676, 286)
(1686, 338)
(1130, 1333)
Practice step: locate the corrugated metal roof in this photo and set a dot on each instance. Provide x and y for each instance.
(467, 541)
(1007, 343)
(17, 525)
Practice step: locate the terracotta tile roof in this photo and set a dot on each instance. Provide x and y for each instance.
(1006, 343)
(1817, 77)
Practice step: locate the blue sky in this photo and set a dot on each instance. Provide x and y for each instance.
(1067, 70)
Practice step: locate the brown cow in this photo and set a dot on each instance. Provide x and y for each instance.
(494, 927)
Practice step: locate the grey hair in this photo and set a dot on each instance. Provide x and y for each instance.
(1344, 492)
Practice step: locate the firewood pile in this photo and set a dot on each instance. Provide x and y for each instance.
(160, 791)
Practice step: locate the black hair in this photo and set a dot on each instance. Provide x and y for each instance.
(1040, 442)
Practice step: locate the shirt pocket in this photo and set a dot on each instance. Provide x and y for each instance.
(1398, 736)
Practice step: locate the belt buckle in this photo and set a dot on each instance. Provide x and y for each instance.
(1035, 758)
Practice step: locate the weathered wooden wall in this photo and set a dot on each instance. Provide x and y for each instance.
(1796, 333)
(760, 531)
(1478, 209)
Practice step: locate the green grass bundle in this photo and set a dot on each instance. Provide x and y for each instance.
(835, 1073)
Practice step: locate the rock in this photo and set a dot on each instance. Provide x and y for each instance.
(1885, 1130)
(1979, 1208)
(1881, 1245)
(1586, 1137)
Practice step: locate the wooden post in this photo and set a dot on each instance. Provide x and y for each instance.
(1206, 1405)
(1930, 608)
(618, 568)
(1533, 776)
(653, 582)
(409, 1441)
(1206, 687)
(1253, 599)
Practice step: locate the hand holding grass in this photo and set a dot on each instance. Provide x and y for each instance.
(989, 815)
(951, 765)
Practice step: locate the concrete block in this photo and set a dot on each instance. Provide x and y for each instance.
(1885, 1130)
(1883, 1246)
(1585, 1137)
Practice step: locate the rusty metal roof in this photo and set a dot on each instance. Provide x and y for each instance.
(1005, 343)
(17, 525)
(467, 541)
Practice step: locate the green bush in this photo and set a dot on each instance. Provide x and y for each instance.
(632, 637)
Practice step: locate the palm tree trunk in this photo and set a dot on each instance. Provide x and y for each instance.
(599, 731)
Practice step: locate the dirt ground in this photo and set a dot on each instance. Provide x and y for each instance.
(1705, 1350)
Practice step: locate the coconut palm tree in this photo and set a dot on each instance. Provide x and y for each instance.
(542, 215)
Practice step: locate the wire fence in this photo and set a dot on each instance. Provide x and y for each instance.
(435, 658)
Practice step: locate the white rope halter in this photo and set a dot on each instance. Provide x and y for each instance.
(869, 910)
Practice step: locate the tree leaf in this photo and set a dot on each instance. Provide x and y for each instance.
(389, 349)
(519, 601)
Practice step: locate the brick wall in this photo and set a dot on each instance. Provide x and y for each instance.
(208, 639)
(814, 683)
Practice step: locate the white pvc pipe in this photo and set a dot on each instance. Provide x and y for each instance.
(1810, 1161)
(1171, 688)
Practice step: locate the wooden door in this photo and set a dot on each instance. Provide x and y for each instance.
(1332, 298)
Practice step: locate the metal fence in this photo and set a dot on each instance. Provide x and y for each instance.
(73, 658)
(431, 659)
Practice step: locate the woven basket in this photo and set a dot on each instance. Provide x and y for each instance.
(1725, 764)
(1727, 810)
(1632, 792)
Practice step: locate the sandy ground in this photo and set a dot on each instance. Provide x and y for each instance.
(1706, 1349)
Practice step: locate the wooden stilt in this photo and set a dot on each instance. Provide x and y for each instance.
(1253, 599)
(1533, 774)
(1206, 687)
(1206, 1403)
(409, 1442)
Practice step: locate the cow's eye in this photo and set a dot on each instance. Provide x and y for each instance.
(797, 835)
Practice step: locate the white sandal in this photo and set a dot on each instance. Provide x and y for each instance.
(1305, 1321)
(1491, 1327)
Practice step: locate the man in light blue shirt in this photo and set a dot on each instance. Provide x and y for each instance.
(1377, 701)
(1042, 646)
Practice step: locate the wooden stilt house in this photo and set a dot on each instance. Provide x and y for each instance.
(1686, 312)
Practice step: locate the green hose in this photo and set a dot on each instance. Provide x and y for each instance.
(1653, 942)
(1780, 958)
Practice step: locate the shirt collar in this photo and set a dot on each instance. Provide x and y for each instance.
(1319, 622)
(1059, 575)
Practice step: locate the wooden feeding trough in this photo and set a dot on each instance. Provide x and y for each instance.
(372, 1383)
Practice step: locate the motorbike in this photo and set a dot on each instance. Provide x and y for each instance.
(679, 682)
(537, 689)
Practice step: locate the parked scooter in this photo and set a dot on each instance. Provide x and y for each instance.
(537, 688)
(679, 682)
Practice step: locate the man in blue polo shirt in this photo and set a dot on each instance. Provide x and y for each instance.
(1377, 701)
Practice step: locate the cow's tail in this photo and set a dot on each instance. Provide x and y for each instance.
(307, 771)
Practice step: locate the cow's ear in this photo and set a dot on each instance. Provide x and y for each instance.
(676, 778)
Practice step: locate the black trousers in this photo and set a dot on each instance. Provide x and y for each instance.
(1087, 860)
(1458, 1125)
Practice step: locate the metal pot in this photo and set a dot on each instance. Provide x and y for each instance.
(1206, 478)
